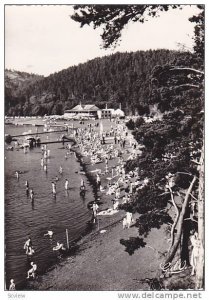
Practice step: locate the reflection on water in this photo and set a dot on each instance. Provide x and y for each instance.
(23, 217)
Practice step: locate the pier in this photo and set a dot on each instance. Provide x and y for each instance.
(38, 133)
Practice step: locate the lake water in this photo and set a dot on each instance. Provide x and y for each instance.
(23, 219)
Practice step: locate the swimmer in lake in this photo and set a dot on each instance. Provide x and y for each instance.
(49, 233)
(59, 247)
(17, 175)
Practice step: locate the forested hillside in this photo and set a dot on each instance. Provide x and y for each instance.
(15, 83)
(120, 78)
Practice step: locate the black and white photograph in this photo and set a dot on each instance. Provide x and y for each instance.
(104, 146)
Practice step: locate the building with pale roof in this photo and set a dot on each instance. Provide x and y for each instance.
(81, 111)
(92, 111)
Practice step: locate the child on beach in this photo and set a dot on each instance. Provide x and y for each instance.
(12, 285)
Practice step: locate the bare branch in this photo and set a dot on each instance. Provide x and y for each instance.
(194, 197)
(187, 85)
(191, 219)
(172, 251)
(186, 69)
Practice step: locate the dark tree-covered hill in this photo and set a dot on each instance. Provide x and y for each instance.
(119, 78)
(16, 83)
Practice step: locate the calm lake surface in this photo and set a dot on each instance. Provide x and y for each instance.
(23, 219)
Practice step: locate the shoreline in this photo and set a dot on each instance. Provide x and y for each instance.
(94, 242)
(85, 267)
(90, 234)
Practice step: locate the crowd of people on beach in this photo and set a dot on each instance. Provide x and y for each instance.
(112, 148)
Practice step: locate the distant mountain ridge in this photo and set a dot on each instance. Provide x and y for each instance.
(121, 78)
(19, 79)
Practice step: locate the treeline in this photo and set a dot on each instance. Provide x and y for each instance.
(119, 78)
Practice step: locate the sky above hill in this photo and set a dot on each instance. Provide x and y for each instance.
(44, 39)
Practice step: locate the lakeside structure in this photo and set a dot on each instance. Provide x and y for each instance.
(92, 111)
(87, 110)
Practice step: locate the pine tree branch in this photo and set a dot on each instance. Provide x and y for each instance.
(186, 69)
(196, 200)
(187, 85)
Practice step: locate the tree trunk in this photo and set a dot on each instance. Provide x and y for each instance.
(200, 261)
(176, 219)
(174, 248)
(185, 237)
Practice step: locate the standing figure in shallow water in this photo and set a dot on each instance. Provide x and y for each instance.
(60, 170)
(17, 175)
(27, 187)
(27, 244)
(45, 168)
(66, 184)
(42, 162)
(31, 194)
(54, 189)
